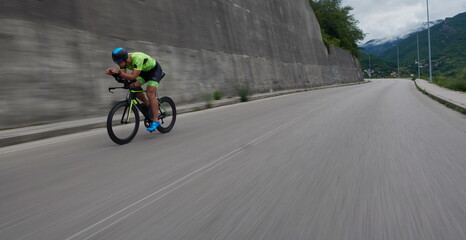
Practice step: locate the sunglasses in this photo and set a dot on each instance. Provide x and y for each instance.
(118, 61)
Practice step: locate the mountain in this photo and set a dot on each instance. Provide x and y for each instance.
(377, 46)
(378, 67)
(448, 46)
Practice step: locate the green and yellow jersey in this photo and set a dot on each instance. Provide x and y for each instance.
(140, 61)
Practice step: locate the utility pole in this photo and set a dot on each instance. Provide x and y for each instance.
(398, 61)
(370, 71)
(418, 63)
(428, 33)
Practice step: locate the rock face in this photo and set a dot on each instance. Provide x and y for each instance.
(56, 52)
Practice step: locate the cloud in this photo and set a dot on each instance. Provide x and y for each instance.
(389, 19)
(392, 22)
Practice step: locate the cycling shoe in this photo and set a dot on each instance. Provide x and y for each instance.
(153, 126)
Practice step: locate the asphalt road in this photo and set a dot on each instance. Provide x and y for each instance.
(372, 161)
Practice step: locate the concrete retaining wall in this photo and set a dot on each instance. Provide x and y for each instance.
(55, 52)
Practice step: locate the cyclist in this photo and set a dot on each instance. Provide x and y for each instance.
(145, 69)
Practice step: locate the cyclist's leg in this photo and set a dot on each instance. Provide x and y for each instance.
(154, 76)
(151, 92)
(141, 96)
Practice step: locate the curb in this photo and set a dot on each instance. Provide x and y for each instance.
(13, 140)
(34, 133)
(447, 103)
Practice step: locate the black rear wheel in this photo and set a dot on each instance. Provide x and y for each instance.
(167, 114)
(122, 123)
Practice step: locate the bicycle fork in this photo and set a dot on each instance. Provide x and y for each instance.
(127, 113)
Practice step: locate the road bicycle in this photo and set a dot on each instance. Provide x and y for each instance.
(123, 118)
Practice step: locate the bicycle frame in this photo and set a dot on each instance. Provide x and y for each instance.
(134, 102)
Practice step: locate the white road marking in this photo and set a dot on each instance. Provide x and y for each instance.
(182, 181)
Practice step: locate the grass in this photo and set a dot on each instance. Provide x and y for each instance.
(458, 83)
(217, 95)
(208, 100)
(243, 92)
(451, 83)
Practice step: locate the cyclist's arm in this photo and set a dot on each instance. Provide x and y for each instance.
(111, 71)
(130, 76)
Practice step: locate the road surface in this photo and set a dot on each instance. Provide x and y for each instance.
(373, 161)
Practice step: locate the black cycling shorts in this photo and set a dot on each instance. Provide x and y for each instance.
(152, 77)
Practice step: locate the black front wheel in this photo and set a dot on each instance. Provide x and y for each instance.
(122, 122)
(167, 114)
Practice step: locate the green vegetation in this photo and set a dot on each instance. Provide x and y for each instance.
(458, 83)
(448, 54)
(451, 83)
(338, 26)
(208, 100)
(217, 95)
(243, 92)
(448, 49)
(379, 67)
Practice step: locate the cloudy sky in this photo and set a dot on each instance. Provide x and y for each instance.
(381, 19)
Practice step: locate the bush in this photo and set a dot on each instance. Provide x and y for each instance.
(457, 84)
(243, 92)
(338, 26)
(208, 100)
(217, 95)
(463, 74)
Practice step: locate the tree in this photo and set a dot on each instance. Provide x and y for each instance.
(338, 26)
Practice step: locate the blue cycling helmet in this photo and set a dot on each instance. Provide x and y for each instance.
(119, 55)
